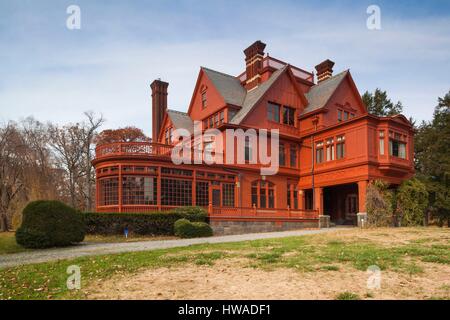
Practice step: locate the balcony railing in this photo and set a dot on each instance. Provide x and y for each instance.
(132, 149)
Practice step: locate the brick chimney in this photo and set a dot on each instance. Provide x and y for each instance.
(159, 106)
(253, 63)
(324, 70)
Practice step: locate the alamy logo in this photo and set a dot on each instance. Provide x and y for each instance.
(73, 22)
(374, 20)
(231, 147)
(74, 280)
(374, 277)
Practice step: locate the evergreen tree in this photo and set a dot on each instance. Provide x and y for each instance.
(432, 158)
(379, 104)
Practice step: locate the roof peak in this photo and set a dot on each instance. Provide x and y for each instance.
(172, 110)
(222, 73)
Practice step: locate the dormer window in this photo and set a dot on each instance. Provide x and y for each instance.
(204, 99)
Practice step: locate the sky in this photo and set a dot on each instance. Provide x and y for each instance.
(55, 74)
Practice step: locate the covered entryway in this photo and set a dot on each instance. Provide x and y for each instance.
(341, 203)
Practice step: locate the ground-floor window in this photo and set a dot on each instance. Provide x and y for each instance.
(176, 192)
(139, 190)
(309, 199)
(202, 193)
(292, 196)
(109, 192)
(263, 194)
(228, 194)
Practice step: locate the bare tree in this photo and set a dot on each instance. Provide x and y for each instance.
(68, 145)
(89, 133)
(12, 164)
(73, 145)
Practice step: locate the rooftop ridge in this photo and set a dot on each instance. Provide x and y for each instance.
(219, 72)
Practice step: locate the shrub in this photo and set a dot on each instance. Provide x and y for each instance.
(379, 204)
(191, 213)
(156, 223)
(49, 224)
(187, 229)
(412, 200)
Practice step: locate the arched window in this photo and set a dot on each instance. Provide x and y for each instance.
(263, 194)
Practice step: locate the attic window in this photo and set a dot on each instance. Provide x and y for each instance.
(289, 116)
(204, 99)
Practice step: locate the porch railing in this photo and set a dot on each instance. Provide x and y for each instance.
(252, 212)
(220, 212)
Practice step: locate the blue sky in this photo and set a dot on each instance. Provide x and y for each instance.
(53, 73)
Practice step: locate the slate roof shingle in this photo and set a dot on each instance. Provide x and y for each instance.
(229, 87)
(253, 96)
(181, 120)
(319, 94)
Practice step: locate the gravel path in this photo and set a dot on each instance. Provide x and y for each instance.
(84, 249)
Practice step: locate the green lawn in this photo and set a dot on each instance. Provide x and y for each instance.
(399, 250)
(8, 243)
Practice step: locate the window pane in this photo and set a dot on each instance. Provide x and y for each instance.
(402, 150)
(282, 155)
(202, 193)
(175, 192)
(288, 116)
(228, 194)
(273, 112)
(293, 157)
(382, 146)
(109, 191)
(271, 198)
(254, 196)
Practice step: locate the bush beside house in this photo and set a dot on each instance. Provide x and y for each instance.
(49, 224)
(156, 223)
(187, 229)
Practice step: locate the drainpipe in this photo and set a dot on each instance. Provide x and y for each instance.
(315, 120)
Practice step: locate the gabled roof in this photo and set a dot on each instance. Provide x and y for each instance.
(319, 94)
(180, 120)
(253, 96)
(229, 87)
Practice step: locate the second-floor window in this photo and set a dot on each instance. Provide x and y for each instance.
(381, 142)
(397, 145)
(330, 149)
(319, 152)
(248, 150)
(289, 116)
(293, 156)
(340, 147)
(273, 112)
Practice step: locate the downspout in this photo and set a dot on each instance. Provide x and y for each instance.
(315, 121)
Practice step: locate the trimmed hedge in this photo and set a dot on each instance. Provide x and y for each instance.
(187, 229)
(156, 223)
(49, 224)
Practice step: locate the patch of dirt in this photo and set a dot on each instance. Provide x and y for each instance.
(393, 236)
(230, 279)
